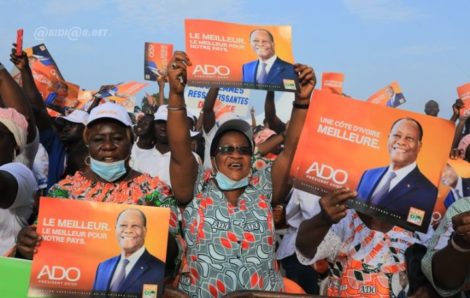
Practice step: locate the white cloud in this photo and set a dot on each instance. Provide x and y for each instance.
(382, 10)
(170, 13)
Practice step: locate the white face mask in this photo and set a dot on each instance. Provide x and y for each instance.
(225, 183)
(109, 171)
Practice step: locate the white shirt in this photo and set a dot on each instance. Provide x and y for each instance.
(154, 163)
(400, 174)
(132, 260)
(16, 216)
(269, 63)
(457, 191)
(302, 206)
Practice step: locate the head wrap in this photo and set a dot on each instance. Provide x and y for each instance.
(16, 124)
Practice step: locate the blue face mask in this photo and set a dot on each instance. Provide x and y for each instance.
(109, 171)
(225, 183)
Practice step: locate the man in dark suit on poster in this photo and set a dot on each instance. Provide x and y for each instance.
(401, 188)
(268, 69)
(135, 266)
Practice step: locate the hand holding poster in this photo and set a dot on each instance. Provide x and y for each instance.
(390, 96)
(464, 94)
(85, 246)
(350, 143)
(235, 55)
(56, 92)
(332, 81)
(157, 56)
(236, 99)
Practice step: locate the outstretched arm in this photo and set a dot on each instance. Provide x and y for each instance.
(208, 109)
(13, 97)
(42, 119)
(273, 120)
(281, 166)
(183, 165)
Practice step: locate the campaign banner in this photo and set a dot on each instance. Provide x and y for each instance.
(122, 93)
(57, 93)
(157, 56)
(355, 144)
(390, 96)
(242, 56)
(86, 244)
(464, 94)
(333, 82)
(233, 100)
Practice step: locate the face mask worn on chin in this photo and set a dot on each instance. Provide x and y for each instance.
(109, 171)
(225, 183)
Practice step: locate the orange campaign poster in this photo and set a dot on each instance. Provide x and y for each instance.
(122, 93)
(157, 56)
(243, 56)
(363, 146)
(86, 244)
(55, 91)
(332, 81)
(464, 94)
(390, 96)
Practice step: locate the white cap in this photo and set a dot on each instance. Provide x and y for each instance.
(161, 114)
(77, 116)
(112, 111)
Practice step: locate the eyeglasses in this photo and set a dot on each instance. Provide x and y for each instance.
(243, 150)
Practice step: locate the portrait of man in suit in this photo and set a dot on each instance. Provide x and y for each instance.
(135, 266)
(268, 69)
(459, 187)
(400, 187)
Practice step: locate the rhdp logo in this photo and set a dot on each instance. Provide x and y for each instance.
(415, 216)
(289, 84)
(150, 291)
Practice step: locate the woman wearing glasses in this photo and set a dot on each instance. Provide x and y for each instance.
(227, 220)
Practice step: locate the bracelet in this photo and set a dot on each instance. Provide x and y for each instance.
(458, 247)
(300, 105)
(182, 108)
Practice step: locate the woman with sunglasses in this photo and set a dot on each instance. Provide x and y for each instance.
(227, 220)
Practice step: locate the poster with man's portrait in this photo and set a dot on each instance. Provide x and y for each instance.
(393, 158)
(242, 56)
(95, 249)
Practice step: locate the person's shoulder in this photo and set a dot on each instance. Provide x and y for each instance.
(152, 260)
(375, 171)
(251, 63)
(423, 180)
(109, 261)
(280, 61)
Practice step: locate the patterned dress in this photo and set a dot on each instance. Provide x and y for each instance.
(230, 248)
(364, 262)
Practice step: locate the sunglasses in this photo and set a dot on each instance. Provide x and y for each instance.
(243, 150)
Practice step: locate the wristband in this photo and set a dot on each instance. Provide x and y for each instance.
(182, 108)
(300, 105)
(458, 247)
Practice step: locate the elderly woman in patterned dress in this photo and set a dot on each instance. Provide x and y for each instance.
(109, 178)
(227, 222)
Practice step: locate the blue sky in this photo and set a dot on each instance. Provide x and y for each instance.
(424, 45)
